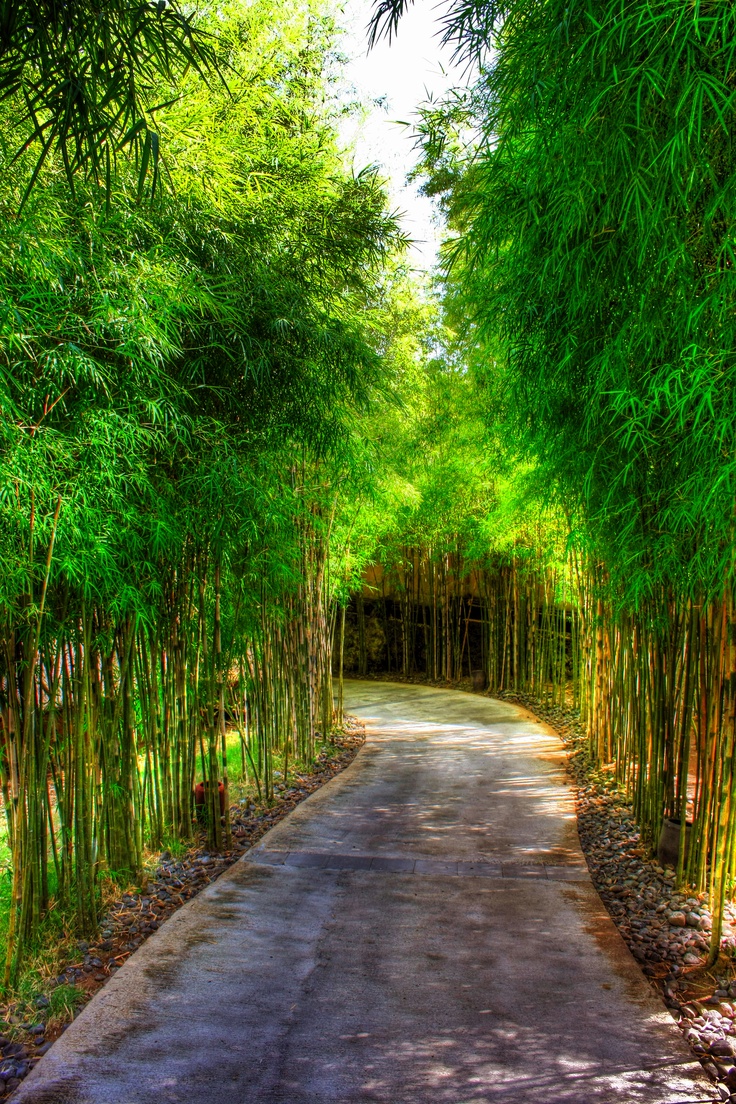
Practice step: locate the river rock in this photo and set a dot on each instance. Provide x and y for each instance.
(15, 1050)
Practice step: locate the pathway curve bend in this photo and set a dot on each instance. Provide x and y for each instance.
(422, 930)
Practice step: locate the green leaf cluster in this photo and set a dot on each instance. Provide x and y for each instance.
(593, 263)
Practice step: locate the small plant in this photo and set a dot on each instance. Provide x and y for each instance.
(64, 1002)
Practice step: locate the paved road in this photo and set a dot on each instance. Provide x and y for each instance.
(421, 931)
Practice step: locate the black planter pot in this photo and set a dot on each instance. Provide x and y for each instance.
(669, 841)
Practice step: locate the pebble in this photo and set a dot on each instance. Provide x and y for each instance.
(14, 1050)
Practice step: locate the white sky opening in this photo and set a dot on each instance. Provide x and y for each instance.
(396, 78)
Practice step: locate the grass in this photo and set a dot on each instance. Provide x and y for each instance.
(52, 947)
(53, 942)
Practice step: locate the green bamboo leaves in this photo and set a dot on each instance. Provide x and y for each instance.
(595, 231)
(589, 178)
(183, 386)
(87, 79)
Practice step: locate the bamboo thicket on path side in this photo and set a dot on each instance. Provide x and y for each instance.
(590, 279)
(184, 388)
(655, 685)
(108, 723)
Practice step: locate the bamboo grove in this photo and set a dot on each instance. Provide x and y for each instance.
(225, 409)
(183, 380)
(587, 174)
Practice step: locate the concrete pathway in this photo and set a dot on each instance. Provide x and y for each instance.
(422, 930)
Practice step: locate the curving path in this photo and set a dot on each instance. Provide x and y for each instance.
(422, 930)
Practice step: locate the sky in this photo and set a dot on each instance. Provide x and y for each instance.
(400, 76)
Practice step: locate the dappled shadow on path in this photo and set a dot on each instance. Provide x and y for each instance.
(447, 790)
(504, 1064)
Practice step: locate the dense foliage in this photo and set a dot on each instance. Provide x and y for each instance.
(182, 386)
(224, 408)
(84, 79)
(588, 178)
